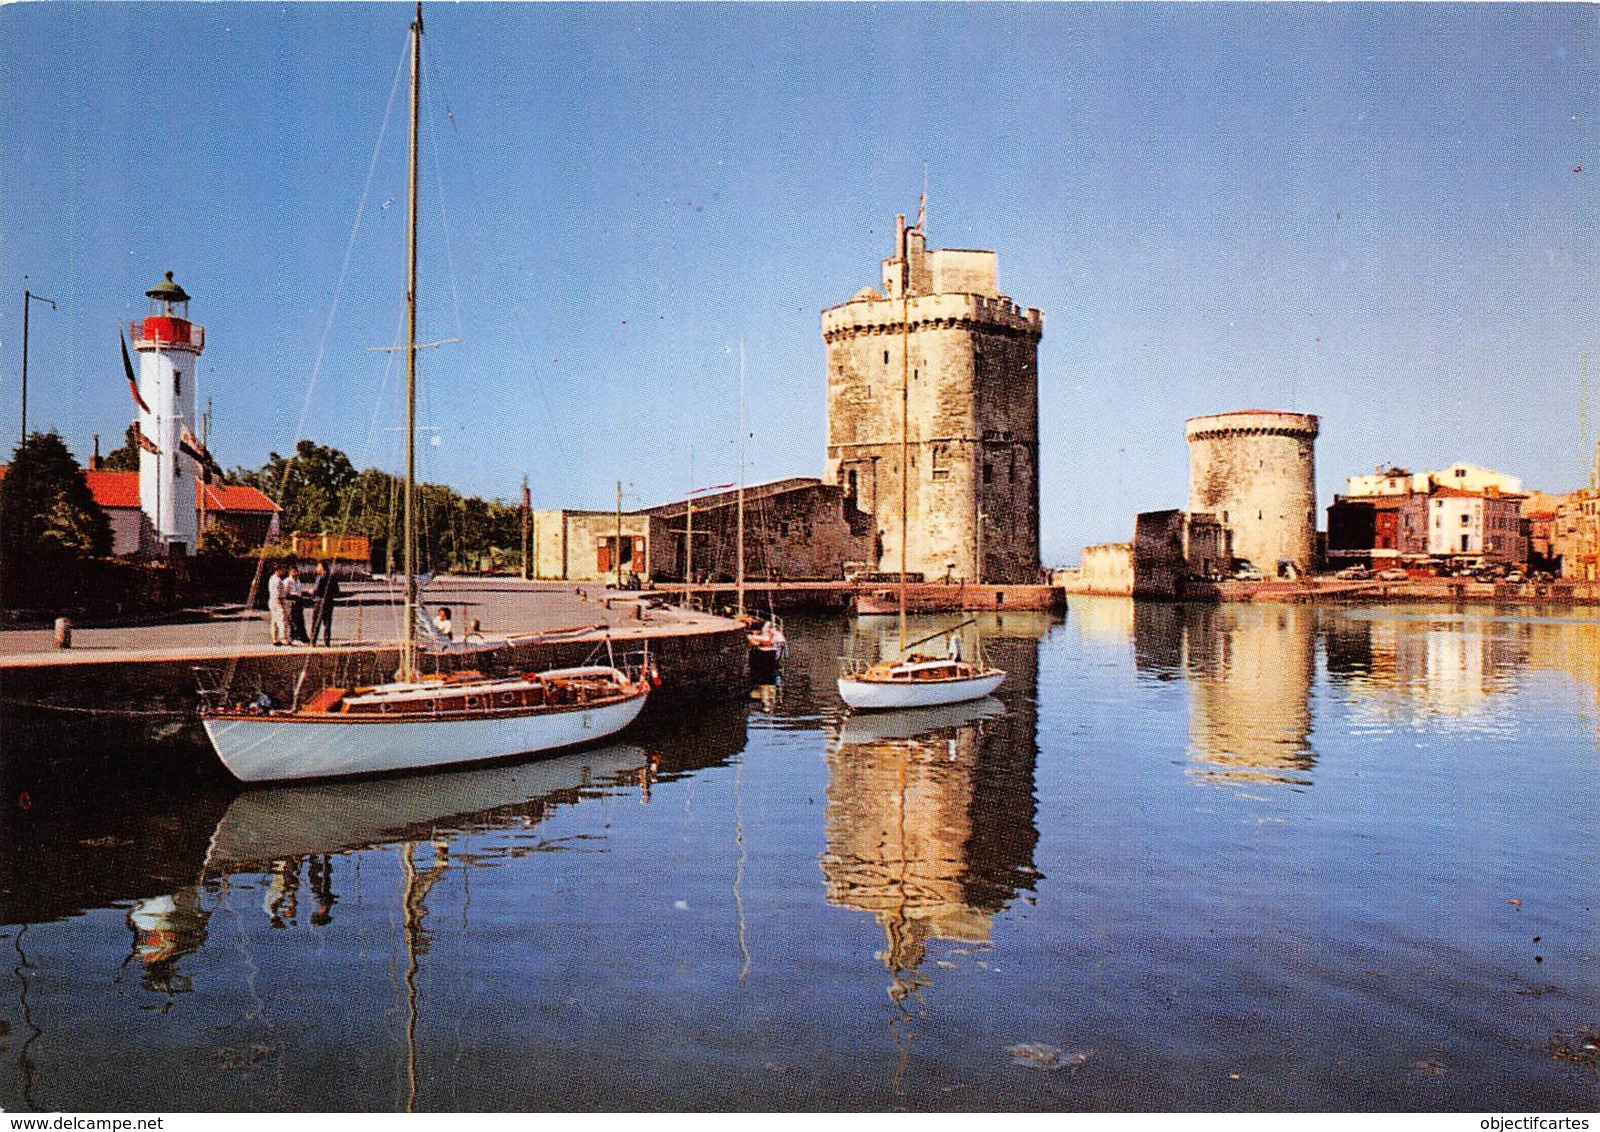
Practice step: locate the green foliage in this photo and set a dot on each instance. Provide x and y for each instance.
(320, 490)
(46, 508)
(126, 458)
(309, 486)
(224, 542)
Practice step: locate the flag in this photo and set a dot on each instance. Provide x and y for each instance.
(922, 211)
(196, 451)
(127, 367)
(144, 441)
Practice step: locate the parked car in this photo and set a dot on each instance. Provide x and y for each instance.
(1354, 574)
(1245, 571)
(1393, 574)
(1514, 576)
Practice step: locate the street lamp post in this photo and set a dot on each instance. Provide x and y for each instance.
(28, 298)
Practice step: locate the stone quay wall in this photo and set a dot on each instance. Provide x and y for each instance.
(131, 708)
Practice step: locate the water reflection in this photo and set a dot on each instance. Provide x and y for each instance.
(815, 910)
(1249, 669)
(1408, 667)
(277, 828)
(930, 824)
(165, 929)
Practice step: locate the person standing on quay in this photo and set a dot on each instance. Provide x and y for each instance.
(277, 614)
(295, 597)
(324, 595)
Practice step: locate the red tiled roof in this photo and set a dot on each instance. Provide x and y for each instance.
(1439, 490)
(114, 489)
(121, 490)
(234, 497)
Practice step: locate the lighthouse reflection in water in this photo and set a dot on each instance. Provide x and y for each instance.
(1235, 857)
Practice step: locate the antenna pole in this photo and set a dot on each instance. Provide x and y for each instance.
(740, 540)
(688, 536)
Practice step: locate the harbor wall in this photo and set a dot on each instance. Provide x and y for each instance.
(60, 713)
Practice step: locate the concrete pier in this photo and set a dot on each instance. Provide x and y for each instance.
(128, 688)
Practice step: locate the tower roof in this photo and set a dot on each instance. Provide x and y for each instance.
(168, 291)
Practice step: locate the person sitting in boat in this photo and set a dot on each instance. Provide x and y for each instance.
(953, 651)
(475, 631)
(441, 622)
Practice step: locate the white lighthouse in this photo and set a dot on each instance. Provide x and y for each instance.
(169, 347)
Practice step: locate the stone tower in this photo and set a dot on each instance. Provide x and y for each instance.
(968, 358)
(1256, 471)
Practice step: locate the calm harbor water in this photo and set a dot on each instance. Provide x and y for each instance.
(1238, 857)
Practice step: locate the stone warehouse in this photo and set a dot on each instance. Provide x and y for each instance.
(794, 529)
(943, 358)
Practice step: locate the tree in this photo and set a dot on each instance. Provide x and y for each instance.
(320, 490)
(310, 486)
(126, 458)
(46, 509)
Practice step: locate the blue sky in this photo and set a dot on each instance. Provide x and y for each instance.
(1373, 213)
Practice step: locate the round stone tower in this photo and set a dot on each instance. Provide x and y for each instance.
(1256, 471)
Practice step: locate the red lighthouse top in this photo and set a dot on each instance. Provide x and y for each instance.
(167, 326)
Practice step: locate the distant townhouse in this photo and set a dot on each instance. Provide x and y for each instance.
(1464, 513)
(1467, 528)
(1575, 536)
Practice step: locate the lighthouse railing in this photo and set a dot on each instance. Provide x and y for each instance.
(162, 331)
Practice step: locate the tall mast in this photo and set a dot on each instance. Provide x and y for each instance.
(740, 541)
(905, 414)
(408, 646)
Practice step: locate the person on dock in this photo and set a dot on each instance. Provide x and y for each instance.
(324, 594)
(295, 599)
(277, 610)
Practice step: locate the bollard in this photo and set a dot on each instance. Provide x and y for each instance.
(63, 633)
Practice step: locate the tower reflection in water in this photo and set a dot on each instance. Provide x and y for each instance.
(930, 823)
(1249, 669)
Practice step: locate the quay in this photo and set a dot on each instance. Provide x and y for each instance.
(1412, 590)
(138, 687)
(872, 597)
(1338, 590)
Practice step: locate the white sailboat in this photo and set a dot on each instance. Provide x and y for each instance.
(422, 721)
(912, 680)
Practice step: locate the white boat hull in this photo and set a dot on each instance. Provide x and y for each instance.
(278, 748)
(890, 695)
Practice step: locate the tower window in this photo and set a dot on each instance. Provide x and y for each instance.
(886, 357)
(988, 472)
(177, 383)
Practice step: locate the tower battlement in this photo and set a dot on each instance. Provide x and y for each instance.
(993, 314)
